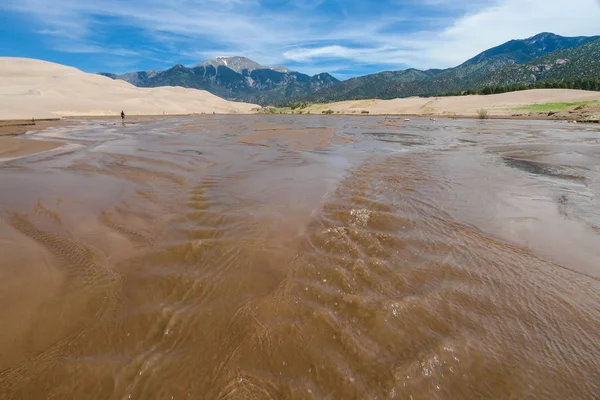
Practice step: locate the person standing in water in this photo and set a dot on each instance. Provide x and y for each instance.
(122, 115)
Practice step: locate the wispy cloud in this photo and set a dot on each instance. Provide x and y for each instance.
(90, 48)
(329, 35)
(302, 54)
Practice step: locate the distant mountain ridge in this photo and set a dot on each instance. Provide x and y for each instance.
(579, 62)
(234, 78)
(474, 73)
(239, 64)
(525, 50)
(543, 57)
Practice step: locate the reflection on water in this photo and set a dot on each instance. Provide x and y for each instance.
(316, 257)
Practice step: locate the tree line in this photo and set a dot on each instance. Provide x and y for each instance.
(579, 83)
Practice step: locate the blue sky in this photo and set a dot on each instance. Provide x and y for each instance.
(343, 37)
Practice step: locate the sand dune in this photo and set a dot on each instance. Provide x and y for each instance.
(39, 89)
(505, 104)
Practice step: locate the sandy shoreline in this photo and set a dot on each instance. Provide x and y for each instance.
(11, 148)
(13, 144)
(562, 104)
(19, 127)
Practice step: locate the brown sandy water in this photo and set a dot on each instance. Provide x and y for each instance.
(302, 257)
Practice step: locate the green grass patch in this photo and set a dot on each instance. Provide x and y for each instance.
(273, 110)
(554, 107)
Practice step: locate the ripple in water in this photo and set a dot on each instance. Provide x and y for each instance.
(243, 271)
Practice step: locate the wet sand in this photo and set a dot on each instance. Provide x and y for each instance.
(302, 257)
(19, 127)
(12, 146)
(295, 139)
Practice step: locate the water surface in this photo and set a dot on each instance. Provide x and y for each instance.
(302, 257)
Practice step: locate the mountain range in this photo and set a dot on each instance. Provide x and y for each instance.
(579, 62)
(513, 62)
(543, 57)
(234, 78)
(239, 64)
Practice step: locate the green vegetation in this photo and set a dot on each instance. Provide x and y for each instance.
(575, 68)
(592, 84)
(273, 110)
(482, 113)
(364, 112)
(555, 107)
(297, 109)
(301, 105)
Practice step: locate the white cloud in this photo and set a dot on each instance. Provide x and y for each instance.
(303, 54)
(90, 49)
(468, 35)
(512, 19)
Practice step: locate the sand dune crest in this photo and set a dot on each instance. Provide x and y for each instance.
(39, 89)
